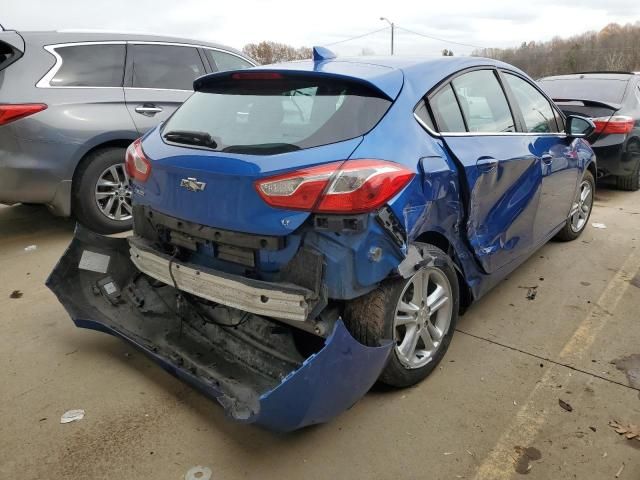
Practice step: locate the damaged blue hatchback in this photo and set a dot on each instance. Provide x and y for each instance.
(304, 230)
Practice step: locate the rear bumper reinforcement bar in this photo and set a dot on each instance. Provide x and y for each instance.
(254, 296)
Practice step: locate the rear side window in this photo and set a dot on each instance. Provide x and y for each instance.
(536, 109)
(269, 116)
(165, 66)
(447, 111)
(483, 102)
(226, 61)
(422, 112)
(90, 66)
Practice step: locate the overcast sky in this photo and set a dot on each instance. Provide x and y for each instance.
(487, 23)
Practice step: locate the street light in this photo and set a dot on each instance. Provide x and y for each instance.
(392, 29)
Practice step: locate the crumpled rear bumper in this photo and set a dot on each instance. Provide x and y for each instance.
(278, 393)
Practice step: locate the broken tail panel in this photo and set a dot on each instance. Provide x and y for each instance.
(258, 369)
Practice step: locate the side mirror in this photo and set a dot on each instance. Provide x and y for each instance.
(579, 127)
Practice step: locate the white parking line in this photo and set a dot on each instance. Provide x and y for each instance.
(499, 464)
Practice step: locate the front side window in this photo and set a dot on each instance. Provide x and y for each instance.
(99, 65)
(226, 61)
(536, 109)
(447, 111)
(165, 66)
(483, 103)
(269, 116)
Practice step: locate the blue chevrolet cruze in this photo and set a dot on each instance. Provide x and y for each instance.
(304, 230)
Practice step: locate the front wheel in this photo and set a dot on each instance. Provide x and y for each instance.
(419, 314)
(580, 210)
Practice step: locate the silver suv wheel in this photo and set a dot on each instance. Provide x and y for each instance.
(113, 193)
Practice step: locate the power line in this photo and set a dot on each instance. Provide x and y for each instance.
(356, 37)
(437, 38)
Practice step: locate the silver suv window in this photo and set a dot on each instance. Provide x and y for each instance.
(98, 65)
(226, 61)
(165, 66)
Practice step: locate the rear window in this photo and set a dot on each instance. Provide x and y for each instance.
(226, 61)
(605, 90)
(99, 65)
(7, 55)
(269, 116)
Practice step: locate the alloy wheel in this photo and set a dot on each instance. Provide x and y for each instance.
(423, 316)
(581, 207)
(113, 193)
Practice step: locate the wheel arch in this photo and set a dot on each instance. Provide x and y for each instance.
(114, 143)
(438, 239)
(591, 167)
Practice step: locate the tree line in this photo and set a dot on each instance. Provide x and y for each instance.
(273, 52)
(614, 48)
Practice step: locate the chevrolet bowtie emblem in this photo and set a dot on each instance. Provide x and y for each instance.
(192, 184)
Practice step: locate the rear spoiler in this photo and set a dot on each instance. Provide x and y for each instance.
(222, 79)
(592, 103)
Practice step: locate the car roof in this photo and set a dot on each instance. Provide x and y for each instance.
(72, 36)
(389, 73)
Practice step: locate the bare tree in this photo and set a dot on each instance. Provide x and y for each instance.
(615, 47)
(267, 52)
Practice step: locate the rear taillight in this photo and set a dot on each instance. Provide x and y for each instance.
(355, 186)
(10, 113)
(614, 124)
(138, 166)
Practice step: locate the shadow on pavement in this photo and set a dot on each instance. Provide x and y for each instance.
(26, 220)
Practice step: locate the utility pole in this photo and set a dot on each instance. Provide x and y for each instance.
(392, 30)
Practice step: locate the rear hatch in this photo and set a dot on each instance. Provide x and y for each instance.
(243, 126)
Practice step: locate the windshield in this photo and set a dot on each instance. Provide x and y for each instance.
(276, 115)
(605, 90)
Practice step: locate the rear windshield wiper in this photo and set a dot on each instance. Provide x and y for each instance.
(202, 139)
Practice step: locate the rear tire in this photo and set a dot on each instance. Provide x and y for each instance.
(90, 201)
(631, 183)
(374, 318)
(580, 210)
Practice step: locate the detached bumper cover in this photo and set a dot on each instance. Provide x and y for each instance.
(317, 389)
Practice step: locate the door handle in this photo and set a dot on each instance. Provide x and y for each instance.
(148, 110)
(486, 164)
(547, 158)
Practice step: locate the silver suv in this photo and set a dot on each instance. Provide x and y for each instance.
(71, 103)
